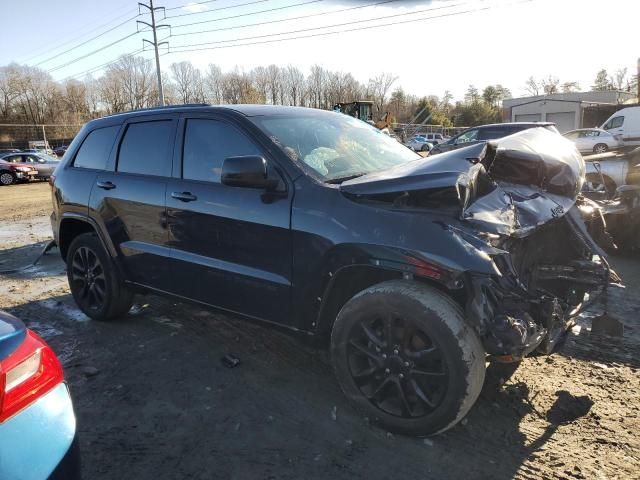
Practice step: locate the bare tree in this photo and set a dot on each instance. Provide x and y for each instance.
(294, 84)
(274, 81)
(619, 79)
(260, 79)
(188, 81)
(315, 86)
(379, 86)
(532, 86)
(213, 84)
(570, 86)
(8, 88)
(550, 85)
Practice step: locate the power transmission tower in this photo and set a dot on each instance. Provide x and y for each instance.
(155, 43)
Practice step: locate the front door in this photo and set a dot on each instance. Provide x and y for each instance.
(129, 200)
(231, 246)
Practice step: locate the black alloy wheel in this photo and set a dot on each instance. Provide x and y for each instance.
(88, 279)
(397, 366)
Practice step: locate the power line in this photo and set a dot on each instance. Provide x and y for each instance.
(93, 52)
(217, 9)
(287, 19)
(87, 41)
(248, 14)
(191, 4)
(368, 27)
(56, 47)
(325, 26)
(95, 69)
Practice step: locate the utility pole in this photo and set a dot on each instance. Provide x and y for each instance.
(155, 43)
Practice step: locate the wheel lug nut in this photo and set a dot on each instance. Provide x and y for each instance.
(401, 375)
(406, 364)
(377, 349)
(384, 355)
(387, 371)
(395, 352)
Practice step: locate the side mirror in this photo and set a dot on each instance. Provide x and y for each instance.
(249, 171)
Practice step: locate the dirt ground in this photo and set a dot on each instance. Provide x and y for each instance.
(154, 401)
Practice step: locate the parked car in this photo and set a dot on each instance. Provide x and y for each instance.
(59, 151)
(11, 173)
(625, 124)
(419, 144)
(606, 172)
(37, 423)
(44, 164)
(593, 140)
(433, 138)
(40, 151)
(381, 255)
(483, 133)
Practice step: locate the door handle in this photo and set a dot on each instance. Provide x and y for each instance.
(106, 185)
(184, 196)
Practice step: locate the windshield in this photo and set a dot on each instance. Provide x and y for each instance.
(335, 146)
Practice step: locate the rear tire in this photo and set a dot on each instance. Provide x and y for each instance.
(94, 282)
(405, 357)
(7, 178)
(600, 148)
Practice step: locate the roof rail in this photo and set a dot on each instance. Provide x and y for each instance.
(182, 105)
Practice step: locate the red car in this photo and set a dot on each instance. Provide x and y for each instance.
(11, 173)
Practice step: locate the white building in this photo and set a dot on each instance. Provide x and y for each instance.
(566, 110)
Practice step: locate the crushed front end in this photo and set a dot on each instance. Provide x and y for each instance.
(522, 198)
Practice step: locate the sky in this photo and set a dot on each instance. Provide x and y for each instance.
(448, 45)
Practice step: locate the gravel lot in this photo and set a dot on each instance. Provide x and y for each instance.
(154, 401)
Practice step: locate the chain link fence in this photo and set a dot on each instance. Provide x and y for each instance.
(37, 136)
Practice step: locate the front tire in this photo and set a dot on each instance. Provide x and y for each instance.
(94, 282)
(7, 178)
(404, 355)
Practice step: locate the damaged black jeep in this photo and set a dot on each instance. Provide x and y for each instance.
(415, 270)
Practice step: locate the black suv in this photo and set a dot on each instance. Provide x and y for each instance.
(412, 270)
(484, 133)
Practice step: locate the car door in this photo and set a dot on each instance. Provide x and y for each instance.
(615, 126)
(128, 199)
(231, 246)
(583, 141)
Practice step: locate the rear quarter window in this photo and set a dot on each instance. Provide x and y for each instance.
(96, 147)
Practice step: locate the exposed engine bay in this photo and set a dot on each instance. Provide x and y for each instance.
(518, 201)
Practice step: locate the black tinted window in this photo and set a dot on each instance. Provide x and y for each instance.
(493, 133)
(146, 148)
(207, 143)
(94, 151)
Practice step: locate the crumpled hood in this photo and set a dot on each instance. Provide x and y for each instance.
(507, 186)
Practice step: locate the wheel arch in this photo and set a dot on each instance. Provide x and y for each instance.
(72, 225)
(349, 280)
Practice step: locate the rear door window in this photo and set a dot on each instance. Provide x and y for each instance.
(96, 147)
(146, 148)
(207, 143)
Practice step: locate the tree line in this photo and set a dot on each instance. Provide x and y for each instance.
(29, 95)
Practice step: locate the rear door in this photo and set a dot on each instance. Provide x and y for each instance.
(231, 246)
(128, 200)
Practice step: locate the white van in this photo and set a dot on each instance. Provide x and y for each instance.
(625, 125)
